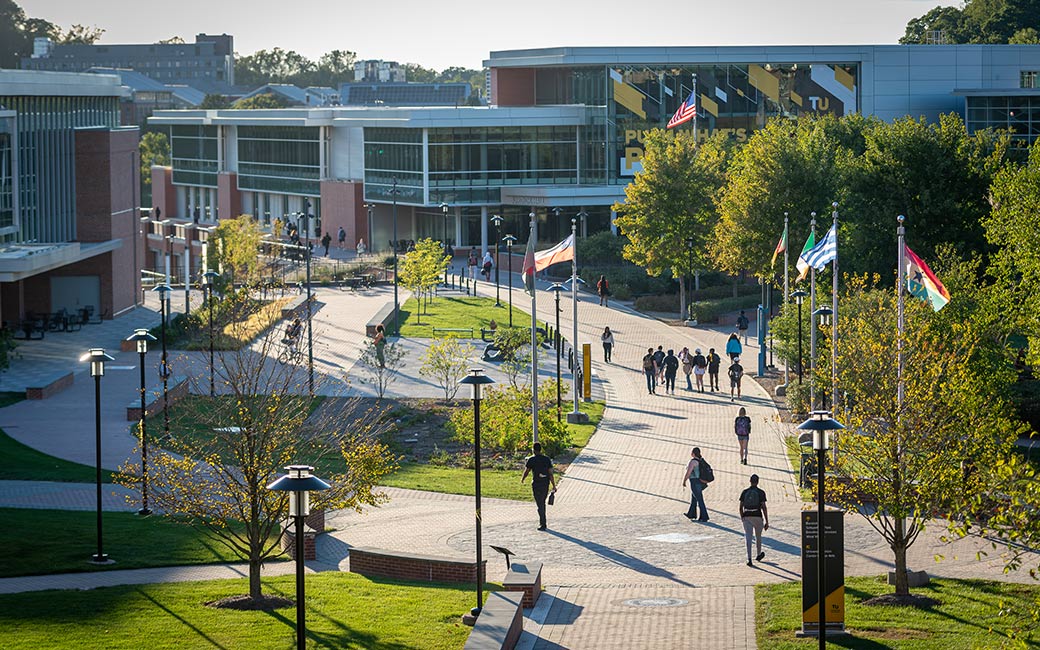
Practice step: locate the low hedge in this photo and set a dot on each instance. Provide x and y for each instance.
(705, 311)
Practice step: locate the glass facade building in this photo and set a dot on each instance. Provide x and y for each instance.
(193, 150)
(283, 159)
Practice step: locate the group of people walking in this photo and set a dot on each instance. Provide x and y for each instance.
(662, 367)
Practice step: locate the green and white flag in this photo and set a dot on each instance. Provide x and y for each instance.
(803, 266)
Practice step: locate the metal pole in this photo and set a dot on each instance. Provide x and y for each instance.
(498, 248)
(834, 321)
(476, 478)
(812, 327)
(209, 299)
(799, 342)
(397, 304)
(310, 328)
(787, 296)
(574, 313)
(559, 344)
(445, 247)
(164, 369)
(301, 624)
(144, 511)
(821, 457)
(509, 255)
(534, 334)
(100, 556)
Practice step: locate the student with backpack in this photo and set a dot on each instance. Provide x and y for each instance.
(671, 368)
(742, 427)
(736, 373)
(713, 369)
(659, 364)
(699, 474)
(686, 359)
(650, 370)
(742, 325)
(754, 516)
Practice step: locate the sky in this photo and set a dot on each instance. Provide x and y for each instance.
(441, 33)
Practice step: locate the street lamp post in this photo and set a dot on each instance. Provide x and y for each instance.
(397, 304)
(510, 240)
(208, 278)
(97, 359)
(556, 288)
(824, 314)
(310, 334)
(142, 337)
(584, 223)
(820, 422)
(799, 296)
(300, 482)
(476, 379)
(164, 365)
(444, 244)
(497, 220)
(690, 244)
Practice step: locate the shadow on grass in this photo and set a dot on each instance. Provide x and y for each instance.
(211, 641)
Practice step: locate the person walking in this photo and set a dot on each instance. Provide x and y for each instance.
(659, 364)
(693, 475)
(541, 467)
(671, 368)
(700, 366)
(608, 343)
(736, 373)
(686, 359)
(603, 289)
(486, 266)
(742, 427)
(713, 369)
(755, 517)
(650, 370)
(341, 238)
(742, 325)
(733, 346)
(361, 247)
(326, 241)
(379, 341)
(472, 264)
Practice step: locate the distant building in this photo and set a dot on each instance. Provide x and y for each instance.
(377, 71)
(69, 178)
(405, 94)
(208, 64)
(148, 95)
(296, 96)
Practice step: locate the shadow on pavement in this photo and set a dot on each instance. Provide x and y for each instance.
(621, 558)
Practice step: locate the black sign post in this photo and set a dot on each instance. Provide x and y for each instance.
(834, 572)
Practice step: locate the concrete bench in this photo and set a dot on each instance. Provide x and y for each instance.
(369, 561)
(51, 386)
(500, 624)
(526, 578)
(295, 306)
(176, 389)
(382, 317)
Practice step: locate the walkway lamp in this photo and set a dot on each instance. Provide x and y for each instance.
(208, 280)
(799, 296)
(497, 220)
(556, 288)
(820, 423)
(823, 314)
(510, 240)
(164, 365)
(397, 305)
(142, 337)
(97, 359)
(306, 251)
(300, 482)
(476, 379)
(444, 244)
(691, 243)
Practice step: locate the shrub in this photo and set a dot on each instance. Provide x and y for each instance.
(446, 362)
(506, 420)
(604, 247)
(708, 311)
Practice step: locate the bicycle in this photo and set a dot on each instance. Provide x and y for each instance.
(290, 352)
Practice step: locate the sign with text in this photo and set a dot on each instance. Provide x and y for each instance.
(833, 567)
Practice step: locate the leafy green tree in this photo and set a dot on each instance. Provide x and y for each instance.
(155, 152)
(415, 72)
(977, 21)
(334, 67)
(271, 66)
(672, 201)
(948, 20)
(80, 34)
(1025, 36)
(265, 100)
(234, 245)
(506, 423)
(422, 269)
(446, 361)
(17, 32)
(214, 102)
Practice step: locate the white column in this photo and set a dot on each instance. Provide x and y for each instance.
(483, 229)
(182, 201)
(187, 271)
(458, 226)
(213, 206)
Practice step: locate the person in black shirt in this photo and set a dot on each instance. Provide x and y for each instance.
(671, 368)
(713, 369)
(754, 516)
(540, 466)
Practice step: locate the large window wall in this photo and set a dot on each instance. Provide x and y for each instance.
(394, 155)
(1018, 115)
(6, 174)
(194, 156)
(284, 159)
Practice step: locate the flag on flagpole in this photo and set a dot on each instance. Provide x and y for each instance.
(686, 111)
(528, 271)
(824, 252)
(803, 266)
(781, 246)
(921, 282)
(562, 252)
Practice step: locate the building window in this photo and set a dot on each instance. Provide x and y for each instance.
(1029, 79)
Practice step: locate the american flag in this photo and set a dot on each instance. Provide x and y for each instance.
(687, 110)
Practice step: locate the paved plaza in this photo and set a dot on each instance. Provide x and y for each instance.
(623, 568)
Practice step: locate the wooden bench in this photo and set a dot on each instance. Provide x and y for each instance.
(454, 330)
(54, 385)
(176, 389)
(369, 561)
(500, 624)
(526, 578)
(382, 317)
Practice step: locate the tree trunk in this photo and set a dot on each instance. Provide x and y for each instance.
(683, 313)
(254, 578)
(899, 550)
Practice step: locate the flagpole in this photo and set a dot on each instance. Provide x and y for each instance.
(696, 110)
(834, 319)
(534, 334)
(812, 322)
(900, 324)
(787, 290)
(574, 317)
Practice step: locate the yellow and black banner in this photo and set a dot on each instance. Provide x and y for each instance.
(833, 568)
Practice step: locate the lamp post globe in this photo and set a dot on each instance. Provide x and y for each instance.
(477, 379)
(97, 358)
(497, 220)
(510, 240)
(164, 365)
(142, 337)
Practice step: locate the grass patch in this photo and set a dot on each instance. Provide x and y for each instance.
(462, 312)
(582, 433)
(794, 454)
(7, 398)
(62, 541)
(191, 332)
(23, 463)
(494, 483)
(963, 620)
(344, 610)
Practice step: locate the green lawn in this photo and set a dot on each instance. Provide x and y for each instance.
(458, 312)
(962, 620)
(344, 611)
(61, 541)
(23, 463)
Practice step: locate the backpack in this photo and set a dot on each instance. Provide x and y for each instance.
(743, 426)
(752, 499)
(707, 474)
(648, 362)
(742, 323)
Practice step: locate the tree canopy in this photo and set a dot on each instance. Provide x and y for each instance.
(977, 21)
(17, 31)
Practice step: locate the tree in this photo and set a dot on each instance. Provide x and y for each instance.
(234, 245)
(422, 269)
(17, 32)
(335, 67)
(949, 21)
(214, 473)
(506, 423)
(978, 21)
(416, 73)
(155, 152)
(671, 201)
(513, 344)
(271, 66)
(173, 40)
(214, 102)
(446, 362)
(265, 100)
(381, 375)
(80, 34)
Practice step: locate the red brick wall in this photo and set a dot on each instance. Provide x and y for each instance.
(512, 86)
(343, 204)
(229, 198)
(163, 195)
(406, 566)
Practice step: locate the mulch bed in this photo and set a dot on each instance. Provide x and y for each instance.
(248, 603)
(895, 600)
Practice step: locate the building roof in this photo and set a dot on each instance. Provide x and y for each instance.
(290, 93)
(404, 94)
(133, 80)
(60, 84)
(187, 94)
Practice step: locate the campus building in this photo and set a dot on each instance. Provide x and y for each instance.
(68, 194)
(564, 129)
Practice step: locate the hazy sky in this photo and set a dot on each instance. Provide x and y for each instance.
(441, 33)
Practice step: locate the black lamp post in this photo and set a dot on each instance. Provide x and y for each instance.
(556, 288)
(397, 305)
(444, 246)
(690, 244)
(584, 223)
(824, 314)
(497, 220)
(164, 366)
(799, 296)
(510, 240)
(476, 379)
(142, 337)
(301, 483)
(97, 359)
(310, 335)
(208, 278)
(820, 422)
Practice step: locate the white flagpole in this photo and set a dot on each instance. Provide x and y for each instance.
(534, 334)
(787, 289)
(834, 319)
(574, 314)
(698, 109)
(812, 323)
(900, 324)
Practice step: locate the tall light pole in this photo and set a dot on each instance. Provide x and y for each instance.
(444, 244)
(300, 482)
(310, 333)
(142, 337)
(497, 220)
(690, 244)
(97, 359)
(799, 297)
(476, 379)
(208, 278)
(820, 422)
(510, 240)
(164, 365)
(556, 288)
(584, 223)
(824, 316)
(397, 303)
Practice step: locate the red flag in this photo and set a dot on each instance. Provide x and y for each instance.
(527, 274)
(686, 111)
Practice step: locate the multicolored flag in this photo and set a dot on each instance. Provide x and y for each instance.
(824, 252)
(562, 252)
(803, 266)
(528, 271)
(921, 282)
(781, 246)
(686, 111)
